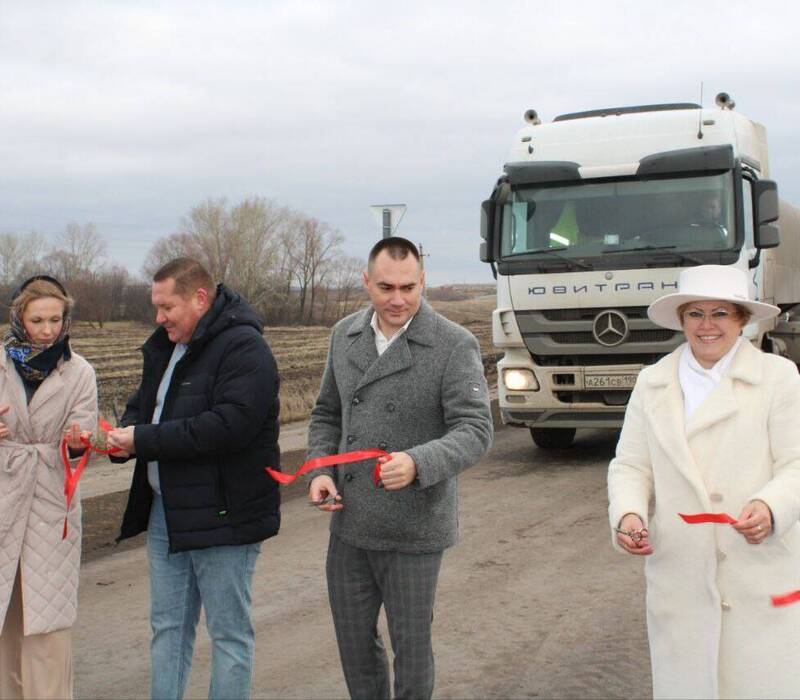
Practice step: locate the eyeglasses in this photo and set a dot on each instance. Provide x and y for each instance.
(698, 316)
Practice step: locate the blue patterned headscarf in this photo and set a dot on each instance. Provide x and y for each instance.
(33, 360)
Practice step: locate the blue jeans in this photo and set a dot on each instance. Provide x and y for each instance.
(218, 578)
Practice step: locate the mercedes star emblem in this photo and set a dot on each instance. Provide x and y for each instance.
(610, 328)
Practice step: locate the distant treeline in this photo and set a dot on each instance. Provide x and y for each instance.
(290, 266)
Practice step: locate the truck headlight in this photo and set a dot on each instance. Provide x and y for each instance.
(520, 380)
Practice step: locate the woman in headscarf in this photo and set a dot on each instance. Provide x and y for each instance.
(714, 428)
(47, 393)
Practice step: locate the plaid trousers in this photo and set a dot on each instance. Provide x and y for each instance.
(359, 581)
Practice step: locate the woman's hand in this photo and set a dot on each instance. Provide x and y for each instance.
(75, 437)
(754, 522)
(4, 431)
(632, 535)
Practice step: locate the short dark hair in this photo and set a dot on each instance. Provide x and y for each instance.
(189, 275)
(398, 249)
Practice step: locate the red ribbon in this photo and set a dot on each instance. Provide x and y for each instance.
(721, 518)
(331, 461)
(725, 519)
(787, 599)
(73, 476)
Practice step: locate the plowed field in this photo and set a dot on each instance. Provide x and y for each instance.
(300, 352)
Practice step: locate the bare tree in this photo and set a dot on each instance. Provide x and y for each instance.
(239, 245)
(208, 225)
(346, 282)
(100, 295)
(274, 256)
(177, 245)
(314, 249)
(19, 255)
(256, 226)
(78, 252)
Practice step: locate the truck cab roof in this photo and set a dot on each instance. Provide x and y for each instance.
(611, 142)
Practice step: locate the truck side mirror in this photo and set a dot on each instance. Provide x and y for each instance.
(765, 212)
(765, 201)
(767, 236)
(487, 231)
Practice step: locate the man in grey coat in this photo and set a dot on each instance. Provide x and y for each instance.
(402, 378)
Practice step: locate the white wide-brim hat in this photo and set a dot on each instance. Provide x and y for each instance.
(708, 283)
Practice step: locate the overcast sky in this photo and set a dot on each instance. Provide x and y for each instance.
(126, 114)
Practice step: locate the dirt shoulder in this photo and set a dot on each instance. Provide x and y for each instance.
(532, 603)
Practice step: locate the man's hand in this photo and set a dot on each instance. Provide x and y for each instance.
(122, 438)
(322, 488)
(398, 470)
(4, 431)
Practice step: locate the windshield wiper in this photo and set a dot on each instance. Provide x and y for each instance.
(556, 252)
(641, 247)
(667, 248)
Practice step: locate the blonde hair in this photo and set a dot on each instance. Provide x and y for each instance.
(40, 289)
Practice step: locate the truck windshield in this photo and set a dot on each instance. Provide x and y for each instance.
(596, 218)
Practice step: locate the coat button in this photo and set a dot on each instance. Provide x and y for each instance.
(725, 606)
(382, 445)
(356, 401)
(351, 439)
(721, 556)
(348, 477)
(390, 407)
(715, 497)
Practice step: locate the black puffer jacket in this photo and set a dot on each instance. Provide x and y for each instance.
(218, 430)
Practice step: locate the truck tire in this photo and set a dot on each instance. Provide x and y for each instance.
(553, 438)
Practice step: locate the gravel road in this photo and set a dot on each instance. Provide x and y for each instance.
(533, 603)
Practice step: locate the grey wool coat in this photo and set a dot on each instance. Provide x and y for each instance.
(426, 395)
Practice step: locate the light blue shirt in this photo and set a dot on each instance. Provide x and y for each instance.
(177, 354)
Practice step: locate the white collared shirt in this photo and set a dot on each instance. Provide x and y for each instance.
(381, 341)
(696, 381)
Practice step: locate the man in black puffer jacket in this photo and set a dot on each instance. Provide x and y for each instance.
(202, 427)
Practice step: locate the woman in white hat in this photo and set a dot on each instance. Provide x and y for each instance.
(714, 427)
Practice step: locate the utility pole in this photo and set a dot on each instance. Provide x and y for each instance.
(422, 256)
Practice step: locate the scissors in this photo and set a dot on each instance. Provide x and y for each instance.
(324, 501)
(636, 535)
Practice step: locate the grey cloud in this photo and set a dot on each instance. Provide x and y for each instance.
(128, 113)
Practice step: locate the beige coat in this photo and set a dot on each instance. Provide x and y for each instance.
(32, 502)
(712, 630)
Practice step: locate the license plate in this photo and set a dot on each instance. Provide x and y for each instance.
(609, 381)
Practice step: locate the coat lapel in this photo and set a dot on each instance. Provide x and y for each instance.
(362, 351)
(397, 357)
(665, 415)
(721, 404)
(49, 388)
(718, 406)
(19, 401)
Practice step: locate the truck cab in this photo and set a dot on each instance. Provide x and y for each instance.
(594, 217)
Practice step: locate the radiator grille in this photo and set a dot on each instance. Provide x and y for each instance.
(646, 335)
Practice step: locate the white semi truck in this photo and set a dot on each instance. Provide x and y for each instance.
(594, 217)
